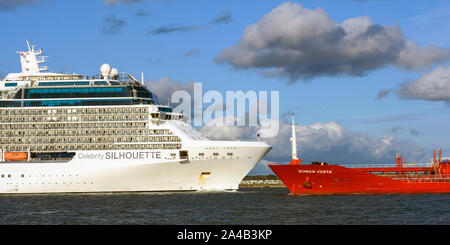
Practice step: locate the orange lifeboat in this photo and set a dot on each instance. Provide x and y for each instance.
(15, 156)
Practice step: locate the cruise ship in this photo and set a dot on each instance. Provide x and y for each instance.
(63, 133)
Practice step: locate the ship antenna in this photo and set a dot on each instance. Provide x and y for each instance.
(28, 44)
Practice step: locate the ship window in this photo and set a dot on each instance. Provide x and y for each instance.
(62, 83)
(165, 109)
(100, 83)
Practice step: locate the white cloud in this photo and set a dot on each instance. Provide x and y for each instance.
(328, 141)
(324, 142)
(261, 168)
(414, 57)
(433, 85)
(299, 43)
(179, 95)
(216, 131)
(165, 87)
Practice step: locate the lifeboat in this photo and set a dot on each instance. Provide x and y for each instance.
(15, 156)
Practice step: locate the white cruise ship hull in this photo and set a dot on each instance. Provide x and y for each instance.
(221, 167)
(105, 133)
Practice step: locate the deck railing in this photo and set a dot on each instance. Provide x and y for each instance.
(391, 165)
(424, 179)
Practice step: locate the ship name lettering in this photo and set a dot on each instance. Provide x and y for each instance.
(90, 156)
(327, 171)
(133, 155)
(312, 171)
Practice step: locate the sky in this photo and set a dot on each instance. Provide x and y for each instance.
(366, 79)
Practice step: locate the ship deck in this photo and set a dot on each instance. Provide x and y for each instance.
(336, 179)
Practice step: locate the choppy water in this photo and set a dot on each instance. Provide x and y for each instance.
(253, 206)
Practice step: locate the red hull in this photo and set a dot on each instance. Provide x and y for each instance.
(335, 179)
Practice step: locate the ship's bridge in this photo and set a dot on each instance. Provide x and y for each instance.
(33, 88)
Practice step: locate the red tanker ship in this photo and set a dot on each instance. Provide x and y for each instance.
(321, 178)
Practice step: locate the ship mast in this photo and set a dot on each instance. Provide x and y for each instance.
(295, 160)
(30, 62)
(293, 140)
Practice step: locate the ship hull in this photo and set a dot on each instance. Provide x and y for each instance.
(106, 171)
(335, 179)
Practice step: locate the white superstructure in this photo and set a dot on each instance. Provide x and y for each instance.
(71, 133)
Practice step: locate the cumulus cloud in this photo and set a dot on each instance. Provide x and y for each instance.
(433, 86)
(112, 25)
(298, 43)
(203, 106)
(324, 142)
(165, 87)
(261, 168)
(328, 141)
(216, 130)
(413, 57)
(181, 96)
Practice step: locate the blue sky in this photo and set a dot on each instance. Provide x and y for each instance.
(181, 40)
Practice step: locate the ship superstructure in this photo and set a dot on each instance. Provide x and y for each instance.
(74, 133)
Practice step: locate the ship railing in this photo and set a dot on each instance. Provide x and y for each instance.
(251, 182)
(94, 77)
(424, 178)
(122, 77)
(367, 165)
(375, 165)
